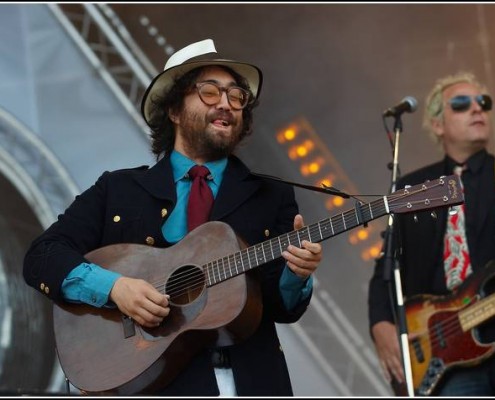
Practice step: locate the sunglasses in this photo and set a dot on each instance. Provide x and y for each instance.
(463, 102)
(210, 93)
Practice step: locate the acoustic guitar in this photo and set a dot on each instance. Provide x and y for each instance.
(444, 328)
(214, 301)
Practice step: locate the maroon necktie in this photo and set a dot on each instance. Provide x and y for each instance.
(200, 198)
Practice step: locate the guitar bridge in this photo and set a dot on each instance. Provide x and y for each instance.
(435, 370)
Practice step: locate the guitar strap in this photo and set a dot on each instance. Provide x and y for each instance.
(324, 189)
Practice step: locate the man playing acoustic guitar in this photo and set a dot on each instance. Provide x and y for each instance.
(104, 262)
(447, 275)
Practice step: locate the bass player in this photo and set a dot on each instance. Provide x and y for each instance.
(439, 251)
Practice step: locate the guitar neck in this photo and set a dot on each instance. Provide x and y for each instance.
(438, 193)
(477, 313)
(227, 267)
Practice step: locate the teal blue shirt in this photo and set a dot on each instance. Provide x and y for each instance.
(91, 284)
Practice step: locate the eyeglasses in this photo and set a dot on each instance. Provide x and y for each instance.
(463, 102)
(211, 93)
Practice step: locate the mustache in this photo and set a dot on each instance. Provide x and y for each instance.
(224, 115)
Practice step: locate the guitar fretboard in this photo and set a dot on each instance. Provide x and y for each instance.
(477, 313)
(232, 265)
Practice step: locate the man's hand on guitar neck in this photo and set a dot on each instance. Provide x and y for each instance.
(388, 350)
(139, 300)
(302, 261)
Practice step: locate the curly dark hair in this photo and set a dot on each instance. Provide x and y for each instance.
(162, 128)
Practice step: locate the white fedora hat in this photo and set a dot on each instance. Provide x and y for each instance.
(199, 54)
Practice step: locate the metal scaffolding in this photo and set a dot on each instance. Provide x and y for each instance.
(108, 46)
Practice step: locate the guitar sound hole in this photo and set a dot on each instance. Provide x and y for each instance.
(185, 284)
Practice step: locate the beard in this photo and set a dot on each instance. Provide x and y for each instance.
(201, 139)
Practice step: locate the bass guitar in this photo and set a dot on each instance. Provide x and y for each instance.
(443, 329)
(213, 299)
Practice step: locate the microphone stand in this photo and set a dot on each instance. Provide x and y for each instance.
(391, 262)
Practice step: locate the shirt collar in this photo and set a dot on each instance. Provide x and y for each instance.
(181, 164)
(473, 163)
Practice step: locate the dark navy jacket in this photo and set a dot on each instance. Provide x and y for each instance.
(256, 209)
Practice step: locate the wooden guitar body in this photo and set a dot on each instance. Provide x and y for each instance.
(101, 350)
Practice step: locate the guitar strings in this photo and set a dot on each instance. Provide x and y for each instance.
(178, 282)
(193, 278)
(225, 263)
(450, 328)
(177, 286)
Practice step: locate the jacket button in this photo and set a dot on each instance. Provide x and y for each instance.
(42, 286)
(150, 241)
(47, 290)
(164, 212)
(267, 232)
(116, 218)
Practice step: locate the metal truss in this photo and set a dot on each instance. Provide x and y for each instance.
(34, 170)
(108, 46)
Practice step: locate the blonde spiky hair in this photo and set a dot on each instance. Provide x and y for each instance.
(434, 100)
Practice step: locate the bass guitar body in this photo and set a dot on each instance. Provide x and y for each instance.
(442, 330)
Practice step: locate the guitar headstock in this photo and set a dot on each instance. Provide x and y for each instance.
(441, 192)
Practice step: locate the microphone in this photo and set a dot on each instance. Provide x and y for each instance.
(408, 104)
